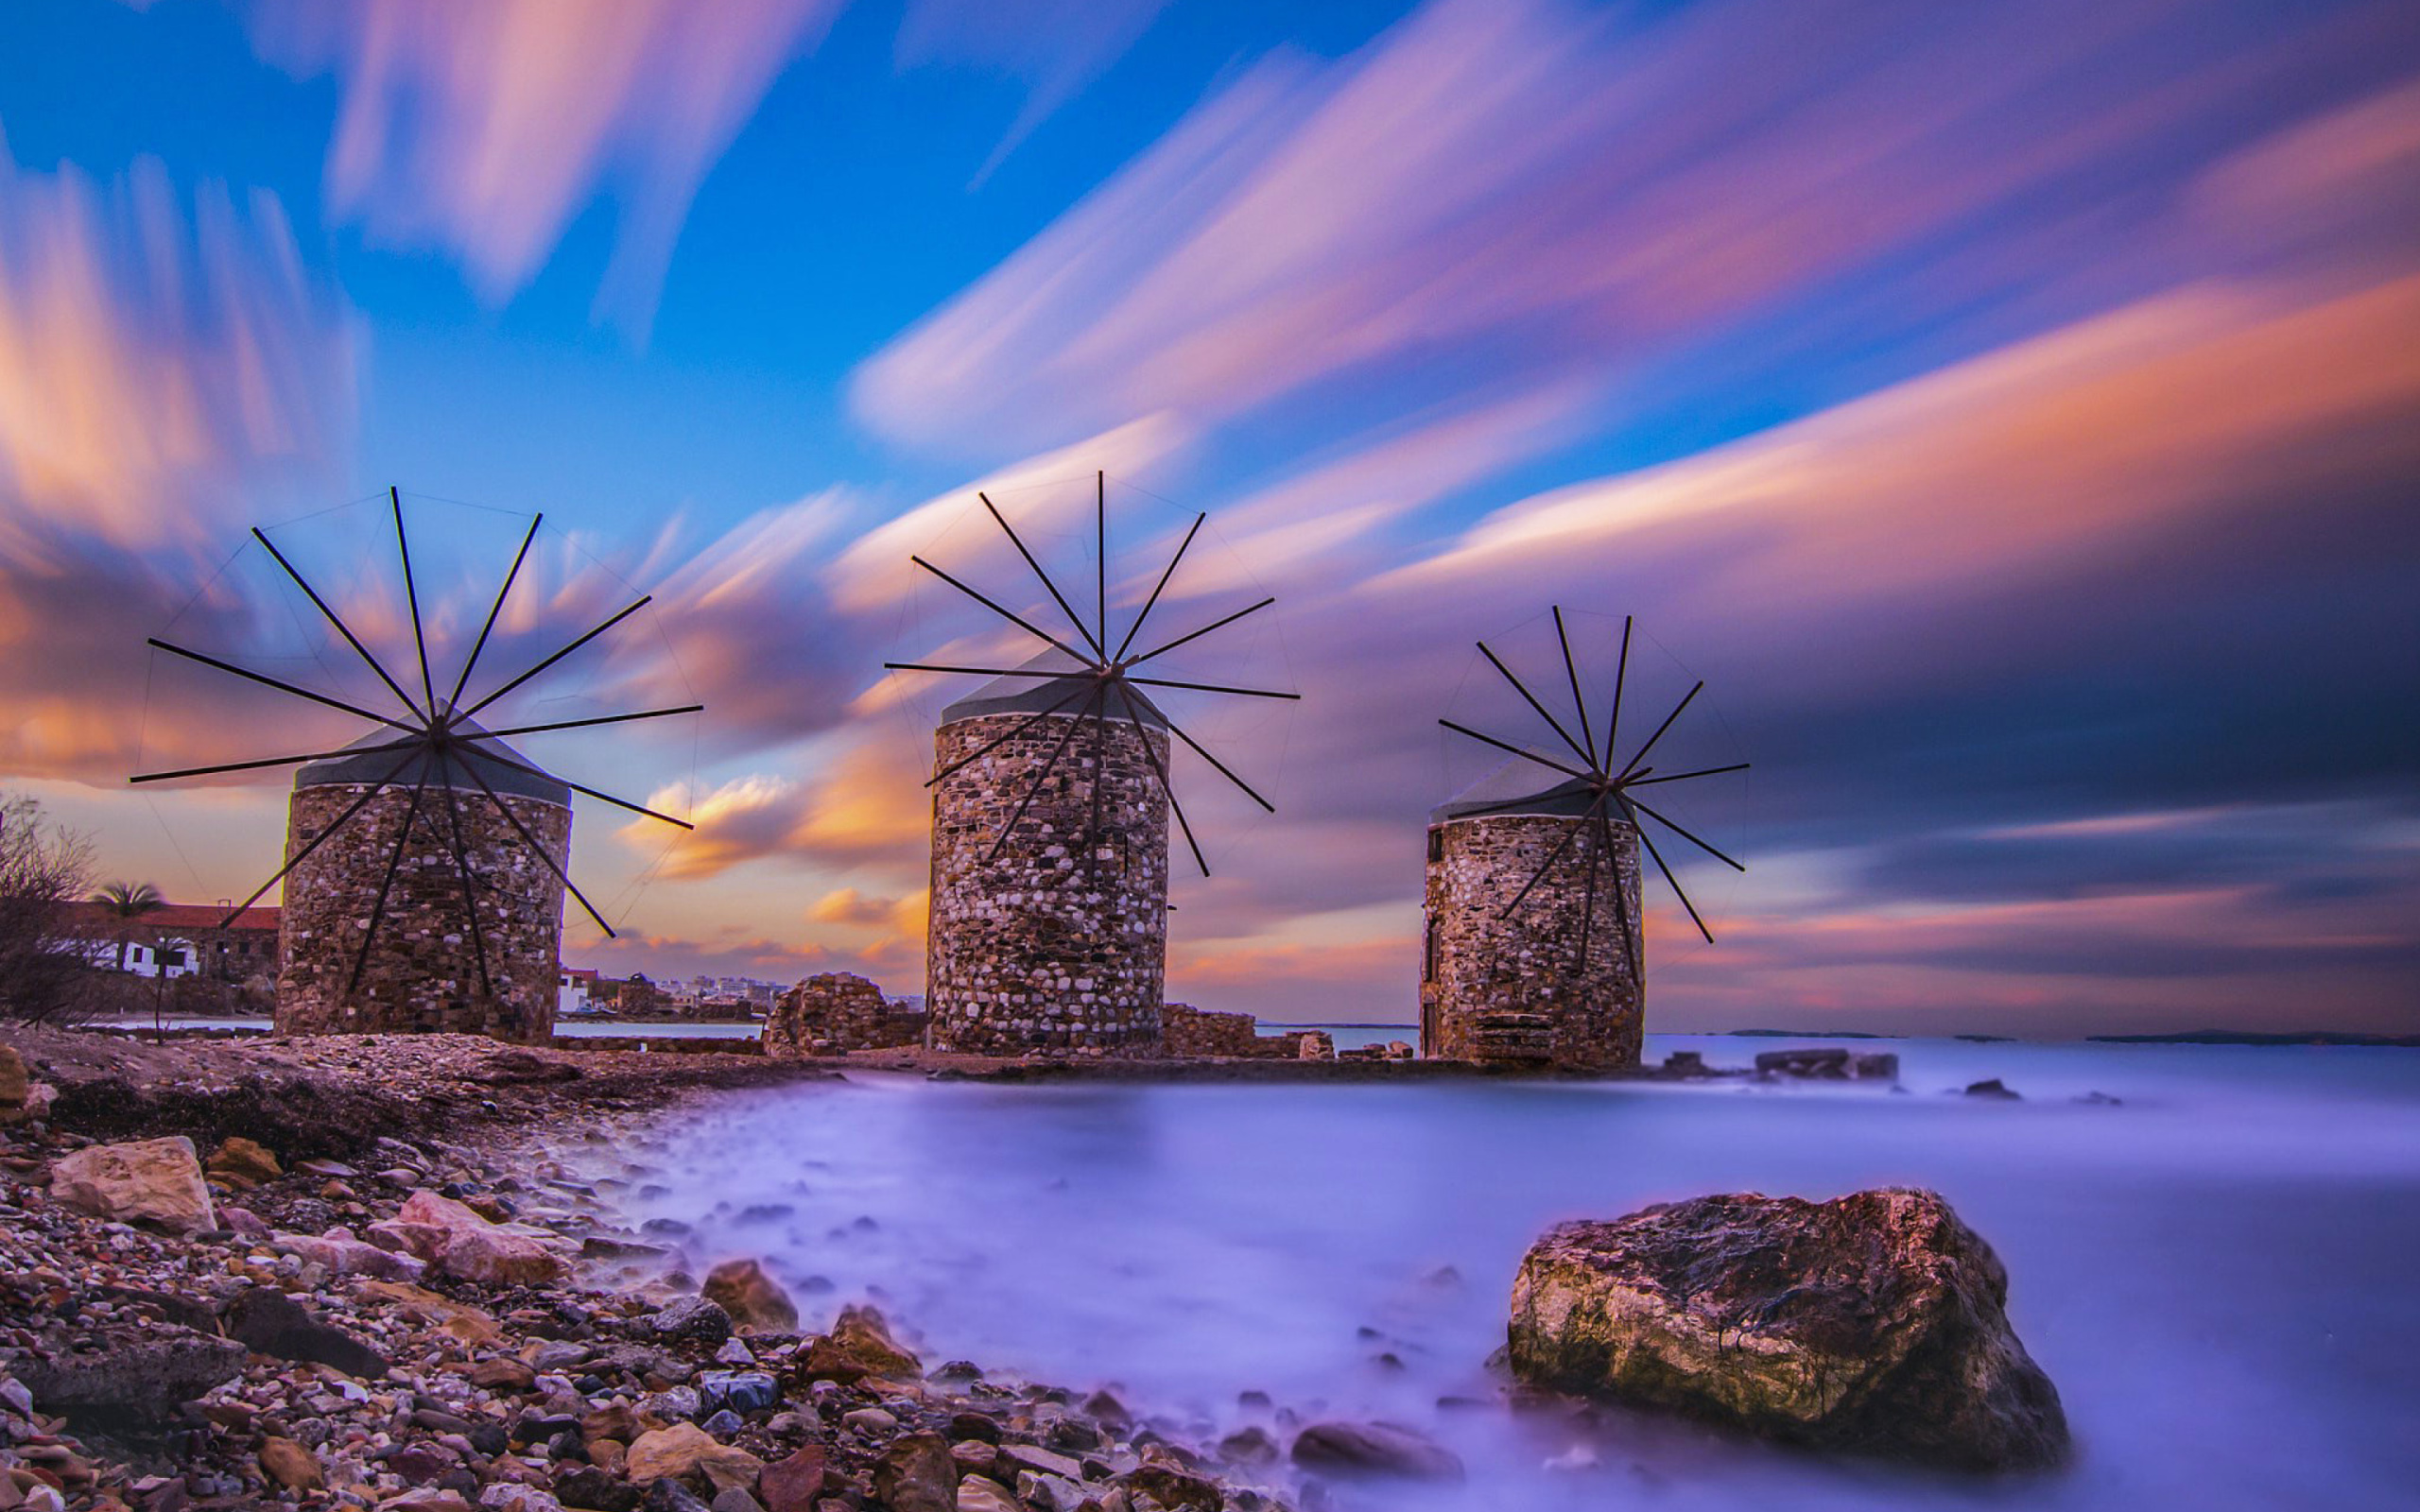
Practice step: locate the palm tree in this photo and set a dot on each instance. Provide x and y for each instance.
(129, 900)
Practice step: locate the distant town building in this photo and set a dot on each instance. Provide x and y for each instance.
(181, 939)
(572, 986)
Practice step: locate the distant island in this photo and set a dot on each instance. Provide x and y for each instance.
(2247, 1036)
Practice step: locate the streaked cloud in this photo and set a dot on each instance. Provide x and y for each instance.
(482, 128)
(1054, 48)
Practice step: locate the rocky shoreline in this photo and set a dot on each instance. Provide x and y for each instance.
(348, 1273)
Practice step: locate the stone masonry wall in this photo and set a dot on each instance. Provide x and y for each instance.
(1047, 948)
(423, 971)
(1191, 1031)
(837, 1013)
(1515, 990)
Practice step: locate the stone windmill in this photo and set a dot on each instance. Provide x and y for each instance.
(1052, 801)
(426, 862)
(1534, 942)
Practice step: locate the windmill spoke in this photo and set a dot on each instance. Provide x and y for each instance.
(386, 883)
(282, 687)
(470, 898)
(1039, 778)
(464, 713)
(1660, 729)
(1525, 755)
(411, 595)
(1648, 840)
(583, 724)
(319, 839)
(1056, 596)
(1552, 856)
(1576, 750)
(1166, 572)
(343, 628)
(493, 610)
(1168, 788)
(276, 761)
(1621, 675)
(1214, 624)
(990, 745)
(1621, 900)
(1675, 777)
(536, 850)
(1017, 620)
(1179, 733)
(1212, 687)
(1687, 836)
(980, 672)
(1100, 556)
(502, 759)
(1571, 669)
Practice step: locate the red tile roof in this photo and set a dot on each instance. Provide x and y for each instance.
(202, 916)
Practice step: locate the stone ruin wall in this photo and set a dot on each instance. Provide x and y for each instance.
(1046, 948)
(837, 1013)
(423, 972)
(1514, 992)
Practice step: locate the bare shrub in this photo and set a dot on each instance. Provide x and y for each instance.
(45, 866)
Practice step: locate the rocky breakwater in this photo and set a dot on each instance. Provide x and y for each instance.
(1875, 1324)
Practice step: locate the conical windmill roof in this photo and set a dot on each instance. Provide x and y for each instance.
(1031, 696)
(363, 764)
(1499, 794)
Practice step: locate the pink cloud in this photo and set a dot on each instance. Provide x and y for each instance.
(483, 126)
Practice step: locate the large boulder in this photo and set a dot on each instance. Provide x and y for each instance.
(474, 1249)
(860, 1345)
(755, 1301)
(267, 1321)
(138, 1377)
(1374, 1451)
(1876, 1324)
(157, 1182)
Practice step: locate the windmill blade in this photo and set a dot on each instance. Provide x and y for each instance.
(320, 838)
(1212, 687)
(1648, 840)
(994, 744)
(266, 681)
(1621, 675)
(502, 759)
(536, 850)
(411, 595)
(1214, 624)
(493, 610)
(386, 883)
(343, 628)
(1621, 903)
(275, 761)
(470, 897)
(1660, 729)
(1552, 722)
(1168, 789)
(1552, 856)
(1572, 670)
(583, 724)
(1100, 554)
(461, 715)
(1687, 836)
(1017, 620)
(1177, 731)
(1056, 596)
(1039, 778)
(1166, 572)
(1677, 776)
(1525, 755)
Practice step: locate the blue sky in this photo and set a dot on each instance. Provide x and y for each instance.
(2006, 409)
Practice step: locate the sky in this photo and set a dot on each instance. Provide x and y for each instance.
(2011, 413)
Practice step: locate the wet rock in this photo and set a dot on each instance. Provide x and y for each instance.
(140, 1376)
(475, 1249)
(267, 1321)
(587, 1487)
(1875, 1324)
(754, 1300)
(671, 1496)
(243, 1164)
(1249, 1446)
(977, 1493)
(690, 1320)
(859, 1345)
(740, 1391)
(1174, 1488)
(1994, 1088)
(916, 1474)
(731, 1499)
(156, 1181)
(1375, 1451)
(290, 1465)
(348, 1257)
(1879, 1065)
(1043, 1461)
(1824, 1064)
(686, 1449)
(792, 1485)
